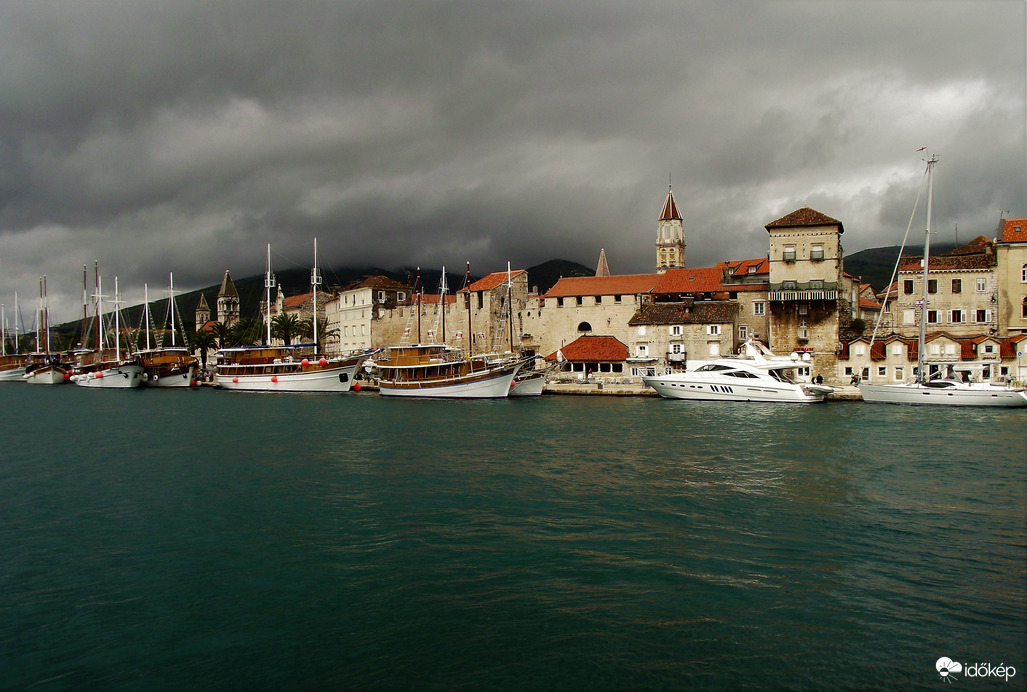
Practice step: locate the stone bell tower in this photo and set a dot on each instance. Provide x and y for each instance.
(228, 302)
(670, 237)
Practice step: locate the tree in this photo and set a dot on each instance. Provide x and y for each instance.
(203, 341)
(223, 334)
(285, 327)
(245, 331)
(324, 332)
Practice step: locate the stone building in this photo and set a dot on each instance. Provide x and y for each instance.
(1011, 277)
(227, 302)
(359, 317)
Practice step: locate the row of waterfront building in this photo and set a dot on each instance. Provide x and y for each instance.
(797, 299)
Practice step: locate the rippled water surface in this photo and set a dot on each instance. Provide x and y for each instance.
(209, 539)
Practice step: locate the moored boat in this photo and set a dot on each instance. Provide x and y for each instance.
(439, 371)
(285, 369)
(12, 368)
(106, 369)
(928, 388)
(754, 375)
(168, 367)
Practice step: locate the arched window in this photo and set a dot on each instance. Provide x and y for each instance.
(584, 327)
(1023, 273)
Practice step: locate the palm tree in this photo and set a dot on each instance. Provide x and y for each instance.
(324, 332)
(286, 326)
(245, 331)
(223, 333)
(203, 341)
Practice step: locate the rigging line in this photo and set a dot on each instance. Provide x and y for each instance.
(894, 274)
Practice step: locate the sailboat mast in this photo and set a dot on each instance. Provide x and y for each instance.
(3, 327)
(146, 314)
(467, 303)
(269, 282)
(46, 316)
(17, 314)
(39, 315)
(509, 303)
(171, 304)
(85, 307)
(117, 322)
(418, 293)
(921, 375)
(442, 302)
(315, 281)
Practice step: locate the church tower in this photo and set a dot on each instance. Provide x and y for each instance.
(202, 312)
(670, 237)
(228, 302)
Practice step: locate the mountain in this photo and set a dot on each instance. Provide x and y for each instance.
(296, 281)
(875, 265)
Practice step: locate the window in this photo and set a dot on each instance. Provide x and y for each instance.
(982, 285)
(803, 309)
(675, 330)
(898, 374)
(400, 297)
(934, 349)
(932, 317)
(752, 270)
(641, 350)
(957, 285)
(599, 300)
(803, 330)
(816, 283)
(584, 327)
(950, 349)
(713, 329)
(816, 252)
(980, 315)
(1023, 310)
(896, 349)
(907, 287)
(989, 348)
(859, 349)
(758, 308)
(788, 285)
(957, 317)
(882, 371)
(1023, 274)
(789, 253)
(743, 332)
(932, 285)
(676, 348)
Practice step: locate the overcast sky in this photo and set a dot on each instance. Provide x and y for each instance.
(185, 136)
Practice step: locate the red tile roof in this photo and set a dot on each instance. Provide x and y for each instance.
(805, 217)
(979, 253)
(379, 281)
(605, 349)
(688, 312)
(1014, 231)
(491, 281)
(625, 284)
(696, 280)
(740, 268)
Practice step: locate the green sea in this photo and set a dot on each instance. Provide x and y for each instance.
(204, 539)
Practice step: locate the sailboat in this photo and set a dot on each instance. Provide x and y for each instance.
(439, 371)
(297, 368)
(44, 366)
(166, 366)
(105, 368)
(926, 389)
(12, 365)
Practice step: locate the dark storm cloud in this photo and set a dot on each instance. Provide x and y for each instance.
(184, 137)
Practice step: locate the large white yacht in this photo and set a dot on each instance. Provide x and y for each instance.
(754, 375)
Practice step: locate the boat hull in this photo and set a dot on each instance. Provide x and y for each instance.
(128, 376)
(672, 387)
(49, 374)
(935, 396)
(186, 378)
(495, 386)
(12, 375)
(327, 379)
(528, 385)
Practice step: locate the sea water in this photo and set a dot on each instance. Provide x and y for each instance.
(223, 540)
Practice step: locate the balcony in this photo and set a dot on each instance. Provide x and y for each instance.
(812, 290)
